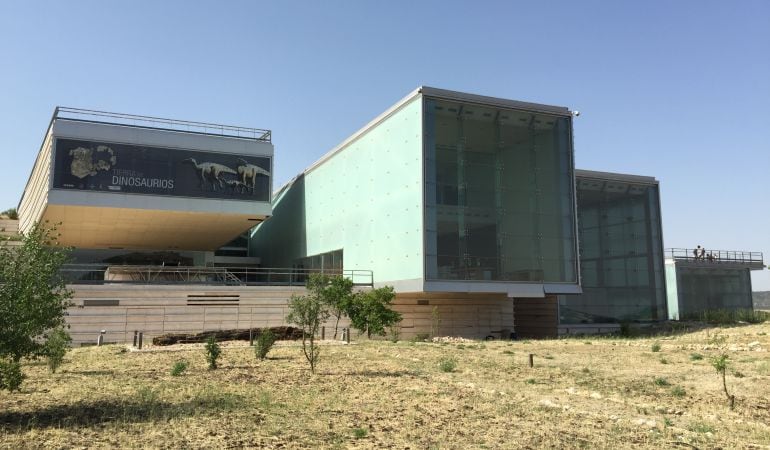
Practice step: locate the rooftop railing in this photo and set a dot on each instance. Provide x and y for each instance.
(220, 276)
(88, 115)
(715, 256)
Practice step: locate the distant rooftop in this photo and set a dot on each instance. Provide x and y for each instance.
(186, 126)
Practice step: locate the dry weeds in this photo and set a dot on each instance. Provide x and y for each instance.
(394, 395)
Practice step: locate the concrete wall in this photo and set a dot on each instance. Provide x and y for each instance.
(9, 233)
(35, 195)
(158, 309)
(456, 314)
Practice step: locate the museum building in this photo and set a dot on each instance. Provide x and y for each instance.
(468, 205)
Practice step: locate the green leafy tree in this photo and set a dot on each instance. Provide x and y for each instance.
(371, 311)
(33, 295)
(336, 292)
(308, 312)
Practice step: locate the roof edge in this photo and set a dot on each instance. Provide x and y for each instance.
(615, 176)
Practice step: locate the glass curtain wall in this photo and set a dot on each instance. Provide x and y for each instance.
(621, 260)
(703, 289)
(498, 194)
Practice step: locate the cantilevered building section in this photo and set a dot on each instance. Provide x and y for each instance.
(118, 181)
(699, 280)
(621, 252)
(462, 202)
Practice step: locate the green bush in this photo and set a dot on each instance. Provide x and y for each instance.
(751, 316)
(447, 364)
(212, 352)
(659, 381)
(695, 356)
(360, 433)
(10, 375)
(655, 347)
(179, 368)
(625, 329)
(56, 347)
(678, 391)
(730, 316)
(264, 343)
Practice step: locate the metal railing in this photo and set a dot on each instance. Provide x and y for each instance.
(88, 115)
(220, 276)
(715, 256)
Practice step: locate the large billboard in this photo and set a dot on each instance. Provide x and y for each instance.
(134, 169)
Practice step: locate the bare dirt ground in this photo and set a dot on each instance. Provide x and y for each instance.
(585, 392)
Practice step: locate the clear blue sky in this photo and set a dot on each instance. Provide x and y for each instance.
(678, 90)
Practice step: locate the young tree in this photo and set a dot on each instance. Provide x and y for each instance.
(33, 295)
(371, 311)
(336, 292)
(720, 364)
(308, 312)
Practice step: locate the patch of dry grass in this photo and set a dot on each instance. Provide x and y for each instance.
(395, 395)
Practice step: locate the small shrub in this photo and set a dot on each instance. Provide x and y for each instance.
(530, 381)
(695, 356)
(395, 333)
(663, 361)
(422, 337)
(655, 347)
(264, 343)
(625, 329)
(659, 381)
(179, 368)
(720, 364)
(10, 375)
(678, 391)
(588, 343)
(700, 427)
(435, 322)
(752, 316)
(505, 352)
(447, 364)
(668, 422)
(212, 352)
(360, 433)
(738, 374)
(56, 347)
(717, 339)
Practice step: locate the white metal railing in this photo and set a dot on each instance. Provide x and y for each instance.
(63, 112)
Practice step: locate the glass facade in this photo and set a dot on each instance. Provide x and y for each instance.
(498, 194)
(329, 262)
(702, 289)
(621, 259)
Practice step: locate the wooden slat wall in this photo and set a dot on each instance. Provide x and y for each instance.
(466, 315)
(536, 317)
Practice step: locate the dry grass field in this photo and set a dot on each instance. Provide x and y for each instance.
(582, 393)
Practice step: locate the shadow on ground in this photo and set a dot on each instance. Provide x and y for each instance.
(144, 408)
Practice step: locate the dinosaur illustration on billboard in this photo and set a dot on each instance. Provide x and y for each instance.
(211, 172)
(83, 163)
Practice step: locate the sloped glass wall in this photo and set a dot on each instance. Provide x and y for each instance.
(498, 194)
